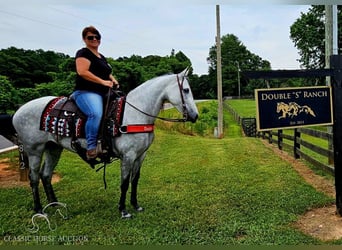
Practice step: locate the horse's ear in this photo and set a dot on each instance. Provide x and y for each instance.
(186, 71)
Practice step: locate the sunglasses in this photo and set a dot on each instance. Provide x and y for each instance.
(91, 38)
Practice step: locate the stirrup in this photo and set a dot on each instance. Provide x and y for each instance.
(99, 149)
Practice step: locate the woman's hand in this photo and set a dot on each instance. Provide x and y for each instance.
(108, 83)
(115, 82)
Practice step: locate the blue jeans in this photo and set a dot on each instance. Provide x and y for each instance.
(91, 104)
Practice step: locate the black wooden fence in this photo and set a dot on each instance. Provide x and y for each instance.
(335, 72)
(302, 148)
(292, 140)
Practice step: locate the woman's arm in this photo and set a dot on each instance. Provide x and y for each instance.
(82, 68)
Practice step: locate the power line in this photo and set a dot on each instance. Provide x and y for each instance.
(36, 20)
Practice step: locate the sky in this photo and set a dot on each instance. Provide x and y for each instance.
(152, 27)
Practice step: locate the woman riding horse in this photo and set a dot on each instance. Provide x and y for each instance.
(92, 82)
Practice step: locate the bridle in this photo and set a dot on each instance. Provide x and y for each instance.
(184, 109)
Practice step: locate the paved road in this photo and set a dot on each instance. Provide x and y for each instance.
(5, 144)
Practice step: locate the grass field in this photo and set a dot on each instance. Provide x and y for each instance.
(247, 108)
(195, 190)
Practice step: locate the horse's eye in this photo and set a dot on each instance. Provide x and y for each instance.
(186, 91)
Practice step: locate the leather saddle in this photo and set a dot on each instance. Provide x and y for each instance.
(62, 117)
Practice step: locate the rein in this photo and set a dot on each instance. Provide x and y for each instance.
(185, 112)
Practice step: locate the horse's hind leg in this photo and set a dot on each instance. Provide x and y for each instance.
(34, 164)
(52, 155)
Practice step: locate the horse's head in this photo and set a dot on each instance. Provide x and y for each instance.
(180, 96)
(279, 106)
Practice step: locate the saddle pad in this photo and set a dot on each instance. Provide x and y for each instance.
(62, 121)
(62, 117)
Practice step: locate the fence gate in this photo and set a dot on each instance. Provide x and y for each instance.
(336, 80)
(249, 126)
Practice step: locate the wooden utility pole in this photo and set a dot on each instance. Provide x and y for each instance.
(330, 49)
(328, 53)
(328, 39)
(219, 75)
(239, 84)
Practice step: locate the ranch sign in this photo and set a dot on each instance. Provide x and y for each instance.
(280, 108)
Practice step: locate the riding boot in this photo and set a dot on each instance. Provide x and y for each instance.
(91, 154)
(99, 148)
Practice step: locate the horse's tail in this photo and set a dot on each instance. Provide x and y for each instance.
(6, 127)
(311, 112)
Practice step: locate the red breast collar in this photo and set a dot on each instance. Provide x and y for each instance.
(137, 128)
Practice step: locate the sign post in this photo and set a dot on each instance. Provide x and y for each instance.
(336, 80)
(336, 93)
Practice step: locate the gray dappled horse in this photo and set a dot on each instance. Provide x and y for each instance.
(144, 102)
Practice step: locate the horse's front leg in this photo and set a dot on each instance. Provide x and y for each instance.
(134, 183)
(125, 176)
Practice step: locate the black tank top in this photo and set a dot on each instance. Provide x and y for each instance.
(99, 67)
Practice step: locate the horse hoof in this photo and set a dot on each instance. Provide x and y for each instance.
(125, 215)
(139, 209)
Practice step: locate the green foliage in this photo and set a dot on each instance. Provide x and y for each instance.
(25, 68)
(32, 74)
(133, 71)
(8, 95)
(308, 35)
(235, 56)
(204, 126)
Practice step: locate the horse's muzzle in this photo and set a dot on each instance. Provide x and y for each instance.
(192, 118)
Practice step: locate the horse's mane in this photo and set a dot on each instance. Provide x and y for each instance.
(166, 74)
(154, 78)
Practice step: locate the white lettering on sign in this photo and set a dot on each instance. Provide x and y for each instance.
(281, 96)
(315, 94)
(293, 95)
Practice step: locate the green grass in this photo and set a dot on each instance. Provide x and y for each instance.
(205, 124)
(195, 191)
(246, 108)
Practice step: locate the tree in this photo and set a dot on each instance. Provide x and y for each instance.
(25, 68)
(235, 56)
(308, 35)
(8, 95)
(39, 73)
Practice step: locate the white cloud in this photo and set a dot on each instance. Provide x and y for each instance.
(153, 27)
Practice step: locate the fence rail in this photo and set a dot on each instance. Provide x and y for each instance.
(294, 142)
(299, 146)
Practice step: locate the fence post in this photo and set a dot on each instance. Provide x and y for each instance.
(336, 66)
(23, 163)
(296, 145)
(280, 139)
